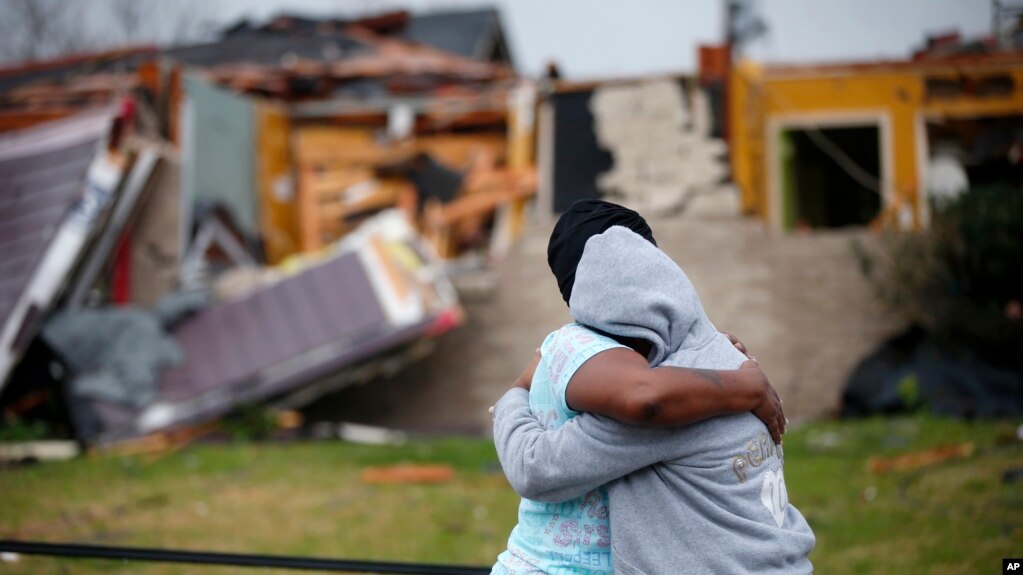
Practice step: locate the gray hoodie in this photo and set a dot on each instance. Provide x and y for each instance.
(707, 498)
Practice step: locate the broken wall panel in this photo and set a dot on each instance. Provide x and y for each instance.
(221, 152)
(647, 144)
(233, 350)
(156, 236)
(659, 135)
(376, 290)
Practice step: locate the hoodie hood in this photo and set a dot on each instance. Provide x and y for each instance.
(626, 286)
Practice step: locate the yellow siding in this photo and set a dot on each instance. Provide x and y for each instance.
(278, 208)
(746, 125)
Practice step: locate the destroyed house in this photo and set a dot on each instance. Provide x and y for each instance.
(307, 54)
(867, 143)
(476, 34)
(284, 191)
(74, 193)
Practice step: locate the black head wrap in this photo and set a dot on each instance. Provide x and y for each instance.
(583, 220)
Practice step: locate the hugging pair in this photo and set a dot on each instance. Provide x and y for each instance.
(641, 439)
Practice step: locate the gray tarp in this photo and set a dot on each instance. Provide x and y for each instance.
(116, 353)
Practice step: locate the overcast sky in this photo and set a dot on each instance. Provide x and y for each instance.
(592, 38)
(618, 37)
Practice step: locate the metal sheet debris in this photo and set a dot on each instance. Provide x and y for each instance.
(47, 232)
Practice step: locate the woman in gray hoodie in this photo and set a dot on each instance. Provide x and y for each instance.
(706, 498)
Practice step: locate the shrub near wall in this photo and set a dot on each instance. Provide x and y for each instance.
(958, 284)
(961, 279)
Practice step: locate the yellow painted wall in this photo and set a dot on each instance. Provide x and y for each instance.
(894, 95)
(747, 133)
(277, 189)
(759, 96)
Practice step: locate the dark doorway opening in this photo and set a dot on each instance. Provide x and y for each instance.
(822, 189)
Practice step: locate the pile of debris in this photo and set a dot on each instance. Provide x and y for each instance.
(262, 218)
(301, 128)
(121, 370)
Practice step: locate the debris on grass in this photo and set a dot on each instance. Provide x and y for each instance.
(37, 451)
(823, 440)
(158, 443)
(400, 474)
(370, 435)
(910, 461)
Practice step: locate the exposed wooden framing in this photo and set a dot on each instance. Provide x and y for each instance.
(278, 211)
(518, 186)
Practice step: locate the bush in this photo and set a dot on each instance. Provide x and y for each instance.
(961, 279)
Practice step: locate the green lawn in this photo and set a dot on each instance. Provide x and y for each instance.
(307, 499)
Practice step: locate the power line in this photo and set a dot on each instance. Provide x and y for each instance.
(76, 551)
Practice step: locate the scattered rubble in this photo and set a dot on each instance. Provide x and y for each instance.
(400, 474)
(312, 176)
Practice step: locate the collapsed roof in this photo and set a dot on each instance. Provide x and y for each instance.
(476, 34)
